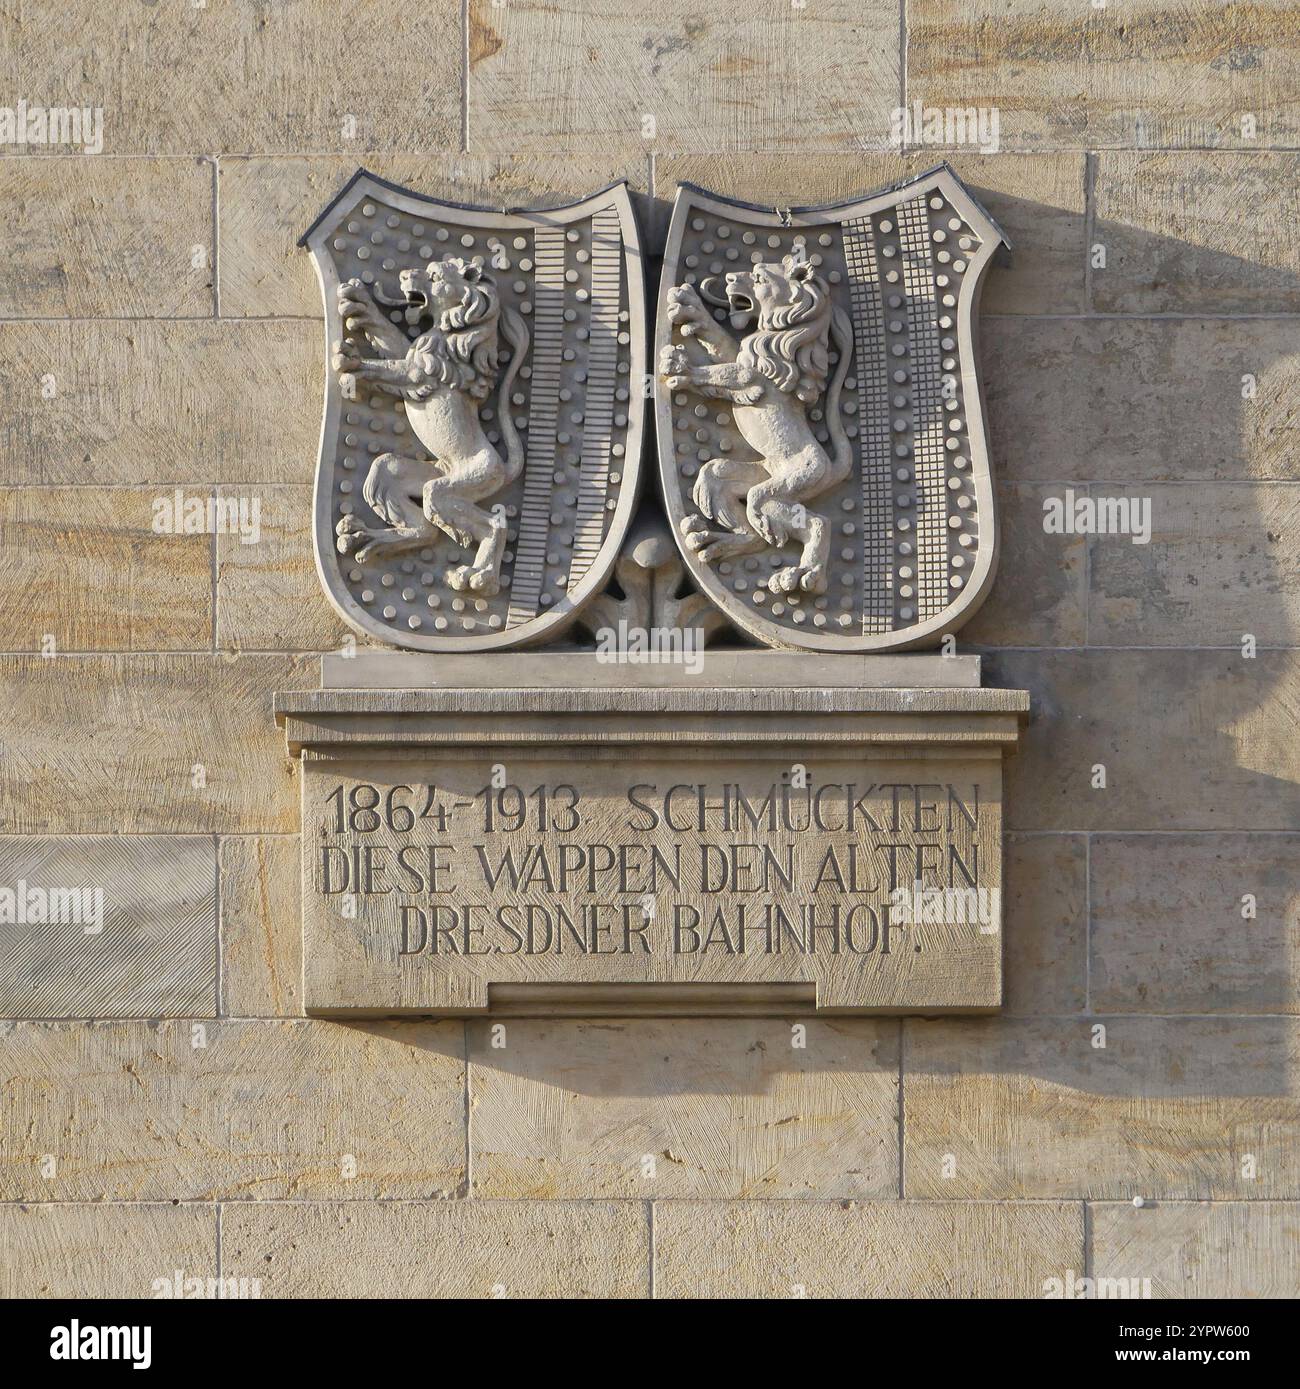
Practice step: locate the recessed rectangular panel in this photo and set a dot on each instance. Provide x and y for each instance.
(653, 879)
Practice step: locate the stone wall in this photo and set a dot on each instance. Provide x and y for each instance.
(165, 1104)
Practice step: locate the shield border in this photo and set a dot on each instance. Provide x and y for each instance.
(550, 624)
(691, 197)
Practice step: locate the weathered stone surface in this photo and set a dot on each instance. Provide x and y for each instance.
(682, 79)
(89, 237)
(1033, 1108)
(1039, 597)
(1130, 400)
(267, 204)
(103, 1251)
(83, 569)
(1168, 930)
(268, 594)
(261, 926)
(180, 403)
(238, 1110)
(146, 744)
(1220, 564)
(139, 940)
(493, 1249)
(216, 78)
(1149, 72)
(1198, 232)
(719, 1108)
(1204, 1250)
(842, 1249)
(1191, 740)
(1045, 923)
(1038, 200)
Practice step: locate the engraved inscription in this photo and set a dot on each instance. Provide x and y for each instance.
(453, 876)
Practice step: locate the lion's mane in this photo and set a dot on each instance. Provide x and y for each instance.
(461, 352)
(789, 344)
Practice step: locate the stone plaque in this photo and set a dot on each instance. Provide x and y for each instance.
(822, 441)
(669, 849)
(483, 408)
(665, 820)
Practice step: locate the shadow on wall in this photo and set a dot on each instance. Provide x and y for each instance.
(659, 1058)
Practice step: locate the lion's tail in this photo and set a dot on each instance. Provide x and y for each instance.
(515, 333)
(842, 332)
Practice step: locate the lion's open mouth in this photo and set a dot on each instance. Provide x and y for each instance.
(418, 304)
(742, 308)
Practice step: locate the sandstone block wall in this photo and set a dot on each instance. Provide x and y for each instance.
(163, 1103)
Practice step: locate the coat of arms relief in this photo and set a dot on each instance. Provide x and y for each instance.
(821, 433)
(481, 444)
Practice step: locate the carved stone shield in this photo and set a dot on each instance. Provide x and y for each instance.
(481, 442)
(822, 436)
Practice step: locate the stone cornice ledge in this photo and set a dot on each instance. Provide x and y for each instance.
(334, 719)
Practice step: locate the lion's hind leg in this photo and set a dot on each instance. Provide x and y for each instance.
(780, 519)
(392, 491)
(719, 492)
(469, 526)
(712, 546)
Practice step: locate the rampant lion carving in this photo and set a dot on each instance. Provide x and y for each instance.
(443, 376)
(769, 378)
